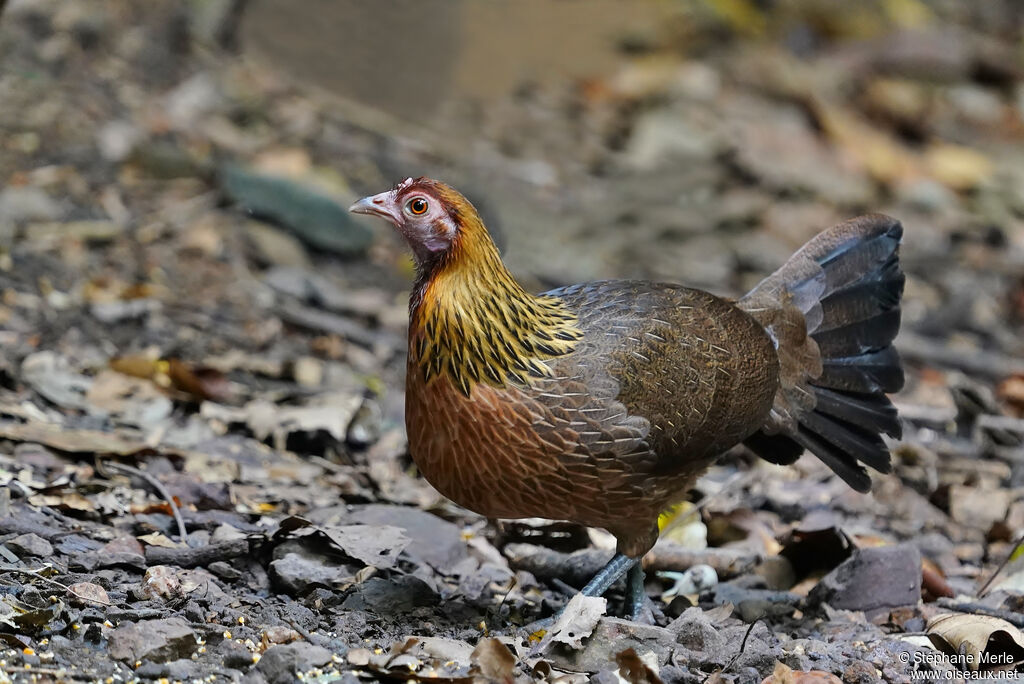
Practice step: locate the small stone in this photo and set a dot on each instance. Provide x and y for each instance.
(981, 106)
(434, 541)
(125, 551)
(612, 636)
(276, 247)
(157, 640)
(177, 670)
(225, 571)
(978, 507)
(860, 672)
(297, 569)
(30, 545)
(51, 375)
(235, 655)
(695, 632)
(88, 594)
(282, 664)
(161, 582)
(116, 140)
(279, 634)
(661, 136)
(752, 604)
(191, 100)
(308, 372)
(874, 577)
(366, 426)
(27, 204)
(777, 573)
(318, 219)
(926, 194)
(124, 310)
(390, 596)
(164, 160)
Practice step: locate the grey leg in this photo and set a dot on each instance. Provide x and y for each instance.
(618, 566)
(635, 594)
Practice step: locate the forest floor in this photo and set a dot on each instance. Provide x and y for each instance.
(202, 355)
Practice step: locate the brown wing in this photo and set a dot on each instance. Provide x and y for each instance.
(698, 371)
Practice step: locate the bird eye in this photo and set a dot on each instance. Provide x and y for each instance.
(417, 206)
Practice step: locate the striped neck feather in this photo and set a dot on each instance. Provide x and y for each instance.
(472, 322)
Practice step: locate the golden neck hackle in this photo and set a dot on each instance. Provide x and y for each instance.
(472, 322)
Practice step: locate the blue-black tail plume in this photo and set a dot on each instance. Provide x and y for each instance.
(833, 311)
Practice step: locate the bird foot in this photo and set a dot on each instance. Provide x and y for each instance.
(643, 614)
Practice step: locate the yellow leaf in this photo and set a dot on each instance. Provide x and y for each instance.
(959, 167)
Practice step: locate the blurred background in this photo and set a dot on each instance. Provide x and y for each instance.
(168, 156)
(179, 276)
(175, 175)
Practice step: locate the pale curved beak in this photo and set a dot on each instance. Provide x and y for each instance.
(377, 205)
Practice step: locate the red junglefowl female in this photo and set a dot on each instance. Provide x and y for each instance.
(602, 403)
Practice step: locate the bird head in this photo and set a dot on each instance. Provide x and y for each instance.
(430, 215)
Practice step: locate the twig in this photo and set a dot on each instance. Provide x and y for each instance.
(727, 563)
(578, 567)
(36, 573)
(743, 646)
(324, 321)
(504, 597)
(201, 556)
(1015, 619)
(153, 482)
(1009, 555)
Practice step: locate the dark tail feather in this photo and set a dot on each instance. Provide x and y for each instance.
(871, 373)
(777, 449)
(867, 411)
(847, 283)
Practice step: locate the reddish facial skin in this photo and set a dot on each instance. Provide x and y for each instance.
(420, 212)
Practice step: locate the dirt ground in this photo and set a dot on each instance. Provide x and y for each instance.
(204, 467)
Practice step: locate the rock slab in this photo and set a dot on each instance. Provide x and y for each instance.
(873, 578)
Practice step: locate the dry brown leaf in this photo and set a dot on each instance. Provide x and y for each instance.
(67, 501)
(493, 660)
(199, 381)
(986, 642)
(159, 539)
(933, 582)
(785, 675)
(1011, 391)
(636, 669)
(136, 366)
